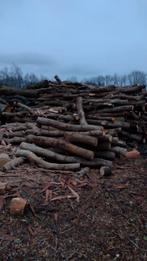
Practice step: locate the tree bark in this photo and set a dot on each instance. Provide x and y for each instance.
(66, 126)
(44, 164)
(49, 154)
(83, 139)
(61, 144)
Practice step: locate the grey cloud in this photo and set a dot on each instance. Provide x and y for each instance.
(27, 59)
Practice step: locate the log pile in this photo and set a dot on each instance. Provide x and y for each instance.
(67, 126)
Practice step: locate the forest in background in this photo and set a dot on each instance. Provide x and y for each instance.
(16, 78)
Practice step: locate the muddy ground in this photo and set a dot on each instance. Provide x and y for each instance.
(99, 219)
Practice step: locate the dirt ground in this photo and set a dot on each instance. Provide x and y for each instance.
(68, 218)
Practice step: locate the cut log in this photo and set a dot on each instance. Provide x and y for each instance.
(47, 133)
(105, 171)
(82, 139)
(119, 150)
(66, 126)
(96, 163)
(61, 144)
(15, 140)
(102, 146)
(49, 154)
(108, 155)
(119, 109)
(133, 154)
(44, 164)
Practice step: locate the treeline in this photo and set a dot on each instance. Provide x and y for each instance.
(133, 78)
(15, 77)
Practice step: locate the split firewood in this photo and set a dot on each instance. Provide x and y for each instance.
(119, 109)
(81, 113)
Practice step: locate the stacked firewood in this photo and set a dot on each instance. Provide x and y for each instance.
(66, 126)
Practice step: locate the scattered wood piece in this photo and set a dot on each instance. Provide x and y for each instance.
(17, 206)
(3, 187)
(4, 158)
(12, 164)
(133, 154)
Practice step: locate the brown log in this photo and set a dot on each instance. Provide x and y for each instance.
(59, 133)
(83, 139)
(133, 154)
(81, 113)
(15, 140)
(47, 133)
(22, 92)
(13, 114)
(105, 171)
(66, 126)
(49, 154)
(117, 142)
(105, 145)
(44, 164)
(119, 150)
(61, 144)
(14, 134)
(108, 155)
(21, 105)
(119, 109)
(96, 163)
(13, 163)
(131, 136)
(132, 89)
(100, 118)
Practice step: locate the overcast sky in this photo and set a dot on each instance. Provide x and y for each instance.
(74, 37)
